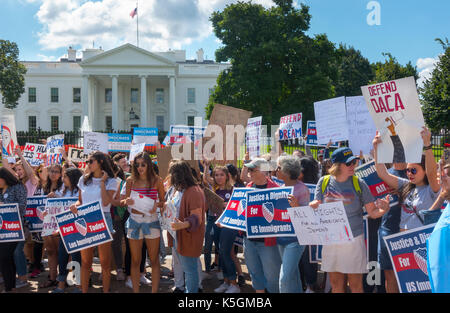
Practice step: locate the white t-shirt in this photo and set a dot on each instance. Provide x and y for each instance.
(93, 192)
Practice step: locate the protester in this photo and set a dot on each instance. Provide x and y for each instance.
(12, 191)
(98, 185)
(140, 225)
(349, 259)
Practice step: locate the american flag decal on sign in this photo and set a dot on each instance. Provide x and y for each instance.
(241, 207)
(268, 211)
(40, 213)
(80, 225)
(420, 255)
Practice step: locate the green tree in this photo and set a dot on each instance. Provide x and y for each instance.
(354, 71)
(12, 73)
(276, 68)
(435, 93)
(391, 69)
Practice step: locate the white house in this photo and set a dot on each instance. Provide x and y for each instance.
(117, 89)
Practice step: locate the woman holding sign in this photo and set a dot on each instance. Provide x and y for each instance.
(99, 185)
(144, 194)
(347, 259)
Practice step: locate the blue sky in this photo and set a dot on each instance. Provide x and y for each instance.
(44, 29)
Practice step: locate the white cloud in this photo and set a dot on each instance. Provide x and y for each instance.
(425, 67)
(163, 24)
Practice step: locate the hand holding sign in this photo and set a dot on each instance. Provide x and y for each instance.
(426, 136)
(383, 205)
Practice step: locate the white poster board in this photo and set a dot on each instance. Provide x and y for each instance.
(55, 144)
(253, 136)
(95, 142)
(291, 126)
(9, 137)
(326, 225)
(331, 120)
(142, 203)
(135, 149)
(34, 153)
(361, 128)
(395, 109)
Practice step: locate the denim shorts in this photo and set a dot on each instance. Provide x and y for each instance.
(142, 227)
(383, 254)
(109, 223)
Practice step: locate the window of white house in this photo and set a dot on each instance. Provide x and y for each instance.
(32, 94)
(160, 122)
(191, 95)
(108, 95)
(190, 120)
(159, 95)
(134, 95)
(108, 122)
(54, 92)
(76, 123)
(76, 95)
(54, 123)
(32, 123)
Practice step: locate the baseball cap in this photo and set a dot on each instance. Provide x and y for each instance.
(343, 155)
(263, 164)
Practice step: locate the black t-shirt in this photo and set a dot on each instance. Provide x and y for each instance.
(391, 220)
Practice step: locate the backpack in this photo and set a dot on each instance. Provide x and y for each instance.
(326, 181)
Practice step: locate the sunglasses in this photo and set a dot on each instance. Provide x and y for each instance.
(55, 172)
(137, 165)
(90, 161)
(411, 170)
(351, 163)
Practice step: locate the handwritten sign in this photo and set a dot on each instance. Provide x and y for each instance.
(95, 142)
(34, 153)
(326, 225)
(55, 206)
(135, 149)
(291, 126)
(331, 120)
(77, 155)
(253, 136)
(11, 228)
(9, 137)
(54, 145)
(142, 203)
(361, 127)
(169, 215)
(395, 110)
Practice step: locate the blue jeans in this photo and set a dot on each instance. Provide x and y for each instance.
(263, 264)
(20, 260)
(209, 239)
(227, 236)
(190, 269)
(290, 281)
(63, 260)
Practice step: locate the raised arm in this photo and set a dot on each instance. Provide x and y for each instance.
(382, 172)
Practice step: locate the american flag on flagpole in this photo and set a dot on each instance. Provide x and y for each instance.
(133, 13)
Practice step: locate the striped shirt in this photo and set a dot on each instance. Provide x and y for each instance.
(152, 193)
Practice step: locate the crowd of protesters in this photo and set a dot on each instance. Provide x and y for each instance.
(275, 265)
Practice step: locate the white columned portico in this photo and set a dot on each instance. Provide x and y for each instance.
(86, 100)
(172, 100)
(115, 103)
(144, 122)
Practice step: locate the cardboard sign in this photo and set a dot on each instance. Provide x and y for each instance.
(85, 230)
(253, 136)
(34, 153)
(326, 225)
(214, 202)
(55, 206)
(11, 228)
(135, 150)
(291, 126)
(331, 120)
(164, 157)
(54, 145)
(34, 213)
(149, 136)
(395, 109)
(119, 142)
(408, 253)
(361, 127)
(311, 136)
(9, 137)
(95, 142)
(267, 214)
(234, 214)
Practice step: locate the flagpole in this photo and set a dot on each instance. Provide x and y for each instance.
(137, 23)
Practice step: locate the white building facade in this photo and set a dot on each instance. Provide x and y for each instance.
(116, 90)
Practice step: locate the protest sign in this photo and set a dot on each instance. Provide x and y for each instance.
(164, 157)
(53, 207)
(395, 110)
(54, 145)
(315, 253)
(214, 202)
(408, 253)
(361, 128)
(135, 149)
(34, 153)
(142, 203)
(84, 230)
(326, 225)
(311, 136)
(331, 120)
(186, 134)
(149, 136)
(239, 240)
(253, 134)
(291, 126)
(34, 213)
(95, 142)
(267, 214)
(312, 190)
(167, 217)
(234, 214)
(9, 137)
(77, 155)
(11, 228)
(119, 142)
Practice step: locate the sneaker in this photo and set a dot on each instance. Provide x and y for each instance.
(120, 275)
(233, 289)
(20, 283)
(58, 290)
(144, 280)
(309, 290)
(222, 288)
(241, 280)
(219, 275)
(129, 283)
(35, 273)
(177, 290)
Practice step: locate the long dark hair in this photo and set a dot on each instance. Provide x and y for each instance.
(181, 177)
(9, 178)
(407, 188)
(310, 170)
(105, 164)
(59, 183)
(151, 175)
(234, 174)
(74, 175)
